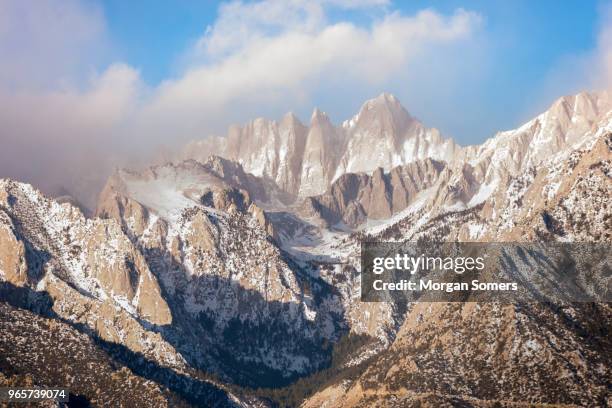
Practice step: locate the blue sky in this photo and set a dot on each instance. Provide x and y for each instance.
(152, 35)
(525, 43)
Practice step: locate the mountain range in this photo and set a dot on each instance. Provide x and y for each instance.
(230, 276)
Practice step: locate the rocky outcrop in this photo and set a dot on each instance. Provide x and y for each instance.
(560, 128)
(114, 204)
(354, 198)
(13, 264)
(443, 350)
(94, 256)
(323, 144)
(304, 161)
(211, 245)
(263, 220)
(268, 149)
(384, 135)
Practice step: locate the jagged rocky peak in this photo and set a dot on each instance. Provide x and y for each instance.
(384, 112)
(383, 134)
(570, 116)
(318, 116)
(356, 197)
(264, 148)
(150, 201)
(304, 160)
(56, 246)
(115, 203)
(587, 105)
(290, 119)
(225, 169)
(322, 133)
(323, 142)
(568, 123)
(166, 190)
(476, 175)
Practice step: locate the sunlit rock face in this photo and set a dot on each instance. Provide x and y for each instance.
(241, 258)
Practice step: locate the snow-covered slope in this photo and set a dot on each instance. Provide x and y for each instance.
(246, 263)
(210, 245)
(489, 354)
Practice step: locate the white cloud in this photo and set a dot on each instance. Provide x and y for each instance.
(593, 69)
(602, 60)
(277, 51)
(49, 42)
(70, 114)
(67, 138)
(239, 23)
(61, 123)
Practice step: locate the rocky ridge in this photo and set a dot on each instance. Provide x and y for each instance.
(252, 273)
(304, 160)
(487, 354)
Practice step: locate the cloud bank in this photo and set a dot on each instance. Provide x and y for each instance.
(270, 53)
(66, 121)
(69, 112)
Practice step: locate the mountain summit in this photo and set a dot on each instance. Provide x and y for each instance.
(304, 160)
(245, 264)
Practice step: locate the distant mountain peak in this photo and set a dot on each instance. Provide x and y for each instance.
(290, 117)
(387, 110)
(385, 99)
(318, 115)
(305, 159)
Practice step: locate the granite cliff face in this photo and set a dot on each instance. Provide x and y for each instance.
(355, 197)
(474, 174)
(210, 246)
(47, 240)
(449, 354)
(264, 148)
(238, 264)
(303, 161)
